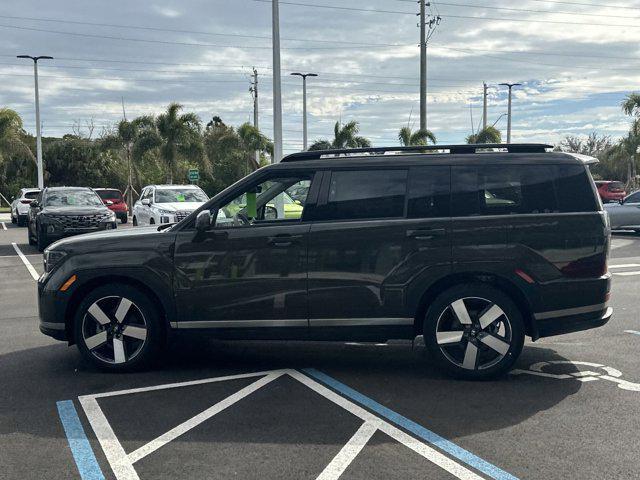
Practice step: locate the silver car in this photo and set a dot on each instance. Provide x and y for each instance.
(625, 215)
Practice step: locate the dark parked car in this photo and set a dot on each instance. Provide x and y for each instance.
(59, 212)
(473, 250)
(112, 198)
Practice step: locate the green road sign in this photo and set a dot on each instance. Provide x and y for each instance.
(194, 175)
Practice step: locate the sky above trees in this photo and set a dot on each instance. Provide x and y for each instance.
(576, 62)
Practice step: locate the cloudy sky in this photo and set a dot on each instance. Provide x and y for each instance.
(576, 60)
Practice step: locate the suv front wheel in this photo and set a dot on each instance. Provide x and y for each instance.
(118, 328)
(474, 331)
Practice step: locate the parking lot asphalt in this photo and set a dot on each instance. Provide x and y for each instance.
(215, 409)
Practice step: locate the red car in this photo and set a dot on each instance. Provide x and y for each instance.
(610, 190)
(112, 198)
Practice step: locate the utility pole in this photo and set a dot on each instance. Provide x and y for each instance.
(510, 86)
(38, 126)
(304, 105)
(277, 92)
(426, 30)
(484, 105)
(254, 91)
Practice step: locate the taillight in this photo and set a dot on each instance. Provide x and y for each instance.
(586, 267)
(26, 201)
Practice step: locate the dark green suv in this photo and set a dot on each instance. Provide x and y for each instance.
(473, 247)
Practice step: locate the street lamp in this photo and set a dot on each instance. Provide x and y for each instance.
(38, 134)
(510, 85)
(304, 105)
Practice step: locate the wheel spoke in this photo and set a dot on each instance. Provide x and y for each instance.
(470, 357)
(446, 338)
(96, 340)
(123, 309)
(490, 316)
(118, 351)
(135, 332)
(496, 344)
(461, 312)
(97, 313)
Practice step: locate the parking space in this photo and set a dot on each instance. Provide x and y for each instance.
(217, 409)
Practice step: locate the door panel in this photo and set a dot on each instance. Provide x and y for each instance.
(243, 274)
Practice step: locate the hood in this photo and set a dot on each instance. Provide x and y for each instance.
(108, 237)
(179, 206)
(76, 210)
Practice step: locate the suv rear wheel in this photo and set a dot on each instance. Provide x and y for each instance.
(118, 328)
(474, 331)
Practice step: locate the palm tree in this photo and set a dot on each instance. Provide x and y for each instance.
(631, 104)
(252, 141)
(419, 137)
(345, 136)
(486, 135)
(16, 158)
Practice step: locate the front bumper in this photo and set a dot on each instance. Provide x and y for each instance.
(51, 311)
(58, 232)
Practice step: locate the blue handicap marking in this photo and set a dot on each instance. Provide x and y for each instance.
(411, 426)
(78, 442)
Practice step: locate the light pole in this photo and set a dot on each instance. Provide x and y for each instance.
(304, 105)
(510, 85)
(277, 91)
(38, 134)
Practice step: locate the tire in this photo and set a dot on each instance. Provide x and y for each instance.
(152, 221)
(21, 222)
(13, 219)
(123, 219)
(135, 222)
(459, 343)
(41, 240)
(103, 340)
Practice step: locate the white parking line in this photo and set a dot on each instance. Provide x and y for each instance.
(26, 262)
(627, 274)
(122, 463)
(628, 265)
(633, 332)
(4, 227)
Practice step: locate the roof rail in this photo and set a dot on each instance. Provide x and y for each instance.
(451, 149)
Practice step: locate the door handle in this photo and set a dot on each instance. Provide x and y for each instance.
(426, 234)
(284, 240)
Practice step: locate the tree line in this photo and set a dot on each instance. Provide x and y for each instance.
(162, 148)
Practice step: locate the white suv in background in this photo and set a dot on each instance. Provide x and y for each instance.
(20, 205)
(166, 203)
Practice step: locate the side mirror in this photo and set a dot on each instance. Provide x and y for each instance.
(146, 201)
(621, 201)
(34, 204)
(270, 213)
(204, 221)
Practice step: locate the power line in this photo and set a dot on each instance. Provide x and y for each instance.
(582, 4)
(528, 10)
(335, 7)
(188, 44)
(237, 35)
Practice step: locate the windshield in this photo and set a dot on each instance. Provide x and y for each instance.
(109, 194)
(63, 198)
(616, 187)
(171, 195)
(31, 195)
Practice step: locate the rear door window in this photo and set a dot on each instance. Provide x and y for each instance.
(429, 192)
(362, 194)
(31, 195)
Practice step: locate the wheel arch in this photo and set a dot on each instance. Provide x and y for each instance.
(497, 281)
(165, 308)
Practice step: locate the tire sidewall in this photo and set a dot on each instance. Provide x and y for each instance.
(155, 328)
(492, 294)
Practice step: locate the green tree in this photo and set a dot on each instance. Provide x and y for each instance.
(419, 137)
(344, 136)
(178, 140)
(17, 162)
(486, 135)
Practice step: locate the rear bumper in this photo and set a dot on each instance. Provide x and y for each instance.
(548, 327)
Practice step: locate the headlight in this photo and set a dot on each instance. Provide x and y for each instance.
(111, 217)
(52, 258)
